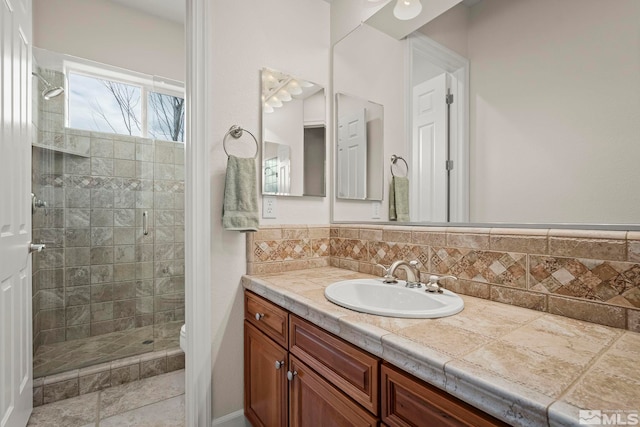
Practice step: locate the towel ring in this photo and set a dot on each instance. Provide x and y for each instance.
(394, 160)
(236, 132)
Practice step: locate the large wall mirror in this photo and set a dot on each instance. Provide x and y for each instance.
(553, 107)
(293, 135)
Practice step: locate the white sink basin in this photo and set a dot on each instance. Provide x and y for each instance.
(393, 300)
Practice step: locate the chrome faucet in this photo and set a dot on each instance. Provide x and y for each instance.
(411, 268)
(434, 285)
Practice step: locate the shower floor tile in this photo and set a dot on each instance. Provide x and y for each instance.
(51, 359)
(157, 401)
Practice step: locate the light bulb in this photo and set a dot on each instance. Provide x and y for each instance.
(407, 9)
(294, 88)
(267, 108)
(284, 95)
(274, 102)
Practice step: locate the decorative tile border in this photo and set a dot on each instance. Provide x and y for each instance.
(98, 377)
(590, 275)
(283, 248)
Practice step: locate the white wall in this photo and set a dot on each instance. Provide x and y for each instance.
(287, 35)
(110, 33)
(555, 108)
(369, 64)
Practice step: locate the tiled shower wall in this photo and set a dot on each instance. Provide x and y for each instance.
(583, 274)
(99, 273)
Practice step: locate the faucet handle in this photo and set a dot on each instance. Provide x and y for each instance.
(416, 271)
(388, 277)
(434, 283)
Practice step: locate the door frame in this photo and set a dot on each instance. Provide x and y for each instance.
(458, 67)
(198, 296)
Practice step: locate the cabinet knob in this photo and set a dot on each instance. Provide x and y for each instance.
(279, 364)
(290, 375)
(259, 316)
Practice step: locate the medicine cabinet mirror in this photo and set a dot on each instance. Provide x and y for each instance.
(293, 135)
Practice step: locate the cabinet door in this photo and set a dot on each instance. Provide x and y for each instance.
(410, 402)
(265, 379)
(314, 402)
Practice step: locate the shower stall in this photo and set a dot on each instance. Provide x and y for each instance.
(109, 209)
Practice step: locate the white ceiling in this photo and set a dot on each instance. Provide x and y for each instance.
(172, 10)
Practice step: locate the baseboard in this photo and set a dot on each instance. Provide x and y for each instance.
(234, 419)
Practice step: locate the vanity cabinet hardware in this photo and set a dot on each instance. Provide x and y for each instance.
(279, 364)
(290, 375)
(259, 316)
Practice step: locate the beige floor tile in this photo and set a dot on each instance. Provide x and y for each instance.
(137, 394)
(75, 412)
(166, 413)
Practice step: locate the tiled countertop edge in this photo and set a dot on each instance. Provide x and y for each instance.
(518, 406)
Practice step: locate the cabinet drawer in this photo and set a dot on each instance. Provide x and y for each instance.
(315, 402)
(408, 401)
(350, 369)
(267, 317)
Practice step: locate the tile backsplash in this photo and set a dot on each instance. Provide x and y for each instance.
(589, 275)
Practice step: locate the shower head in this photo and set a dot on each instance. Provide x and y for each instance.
(49, 90)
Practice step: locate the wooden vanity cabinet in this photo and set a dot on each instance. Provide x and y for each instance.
(331, 382)
(410, 402)
(297, 374)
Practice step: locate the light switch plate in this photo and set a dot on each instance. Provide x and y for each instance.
(269, 206)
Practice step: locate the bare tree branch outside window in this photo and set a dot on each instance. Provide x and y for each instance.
(166, 117)
(127, 98)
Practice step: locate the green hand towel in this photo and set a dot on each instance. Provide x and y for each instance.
(240, 207)
(399, 199)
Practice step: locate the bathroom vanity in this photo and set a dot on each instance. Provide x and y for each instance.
(491, 364)
(297, 374)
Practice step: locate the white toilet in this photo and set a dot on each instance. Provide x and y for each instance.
(183, 338)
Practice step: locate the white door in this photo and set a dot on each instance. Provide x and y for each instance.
(15, 214)
(352, 155)
(429, 152)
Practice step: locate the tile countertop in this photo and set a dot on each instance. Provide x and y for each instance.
(525, 367)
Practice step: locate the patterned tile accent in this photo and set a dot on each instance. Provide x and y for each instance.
(502, 268)
(278, 249)
(599, 280)
(515, 266)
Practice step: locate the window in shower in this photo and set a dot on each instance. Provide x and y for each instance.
(104, 105)
(124, 106)
(165, 116)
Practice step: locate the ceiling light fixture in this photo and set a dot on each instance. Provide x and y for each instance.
(407, 9)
